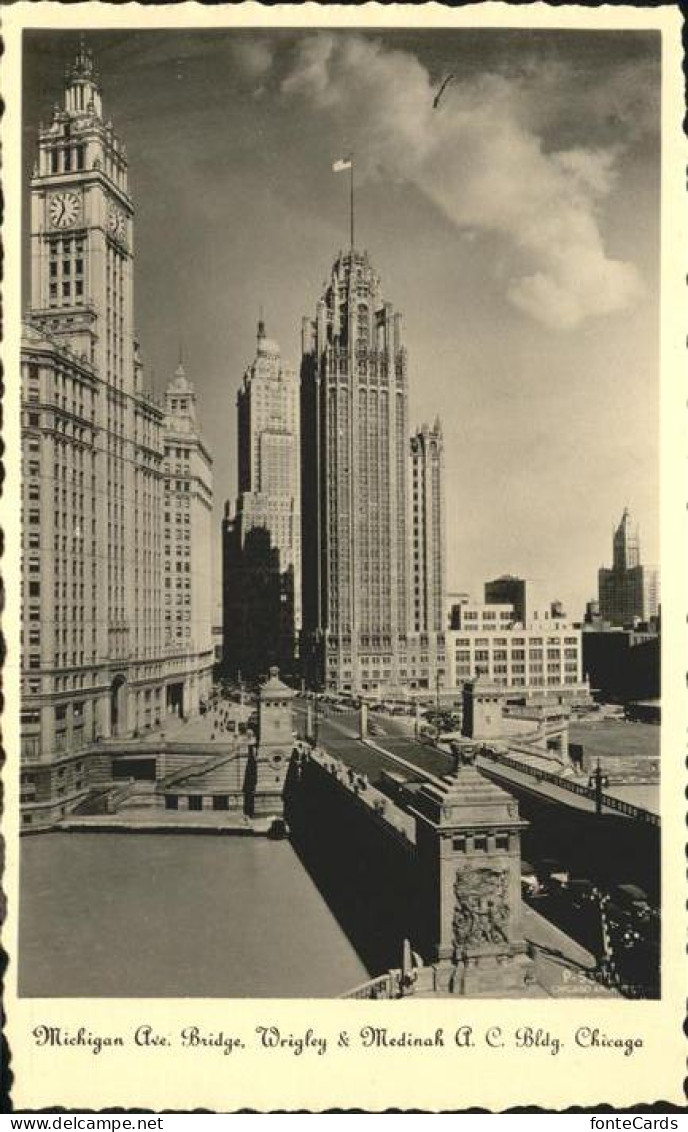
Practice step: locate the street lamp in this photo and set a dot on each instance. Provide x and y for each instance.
(598, 782)
(438, 724)
(315, 718)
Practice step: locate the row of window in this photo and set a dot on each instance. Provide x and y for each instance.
(531, 641)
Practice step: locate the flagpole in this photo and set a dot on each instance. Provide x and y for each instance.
(352, 200)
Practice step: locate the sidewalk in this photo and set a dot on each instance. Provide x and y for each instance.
(198, 729)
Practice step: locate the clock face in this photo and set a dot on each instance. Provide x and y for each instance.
(64, 210)
(117, 223)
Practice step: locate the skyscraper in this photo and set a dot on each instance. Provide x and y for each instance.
(358, 633)
(93, 651)
(262, 571)
(628, 591)
(428, 557)
(187, 551)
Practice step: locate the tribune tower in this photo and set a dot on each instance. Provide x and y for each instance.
(355, 482)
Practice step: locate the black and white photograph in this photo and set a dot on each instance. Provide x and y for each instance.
(341, 608)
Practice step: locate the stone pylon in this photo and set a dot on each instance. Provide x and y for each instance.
(468, 833)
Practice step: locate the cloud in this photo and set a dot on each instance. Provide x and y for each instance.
(480, 160)
(252, 57)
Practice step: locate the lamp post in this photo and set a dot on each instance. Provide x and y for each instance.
(598, 782)
(437, 704)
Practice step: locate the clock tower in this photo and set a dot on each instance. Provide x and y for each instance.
(81, 231)
(94, 659)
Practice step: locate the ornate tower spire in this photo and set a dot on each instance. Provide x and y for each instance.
(626, 544)
(82, 84)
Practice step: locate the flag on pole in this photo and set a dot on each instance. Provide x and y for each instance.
(339, 167)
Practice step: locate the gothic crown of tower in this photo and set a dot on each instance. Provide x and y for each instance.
(82, 84)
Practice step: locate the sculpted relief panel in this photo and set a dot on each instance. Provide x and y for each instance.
(481, 909)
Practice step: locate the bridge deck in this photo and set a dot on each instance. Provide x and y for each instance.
(506, 775)
(390, 742)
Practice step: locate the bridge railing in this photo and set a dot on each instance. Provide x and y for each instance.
(383, 986)
(379, 807)
(611, 803)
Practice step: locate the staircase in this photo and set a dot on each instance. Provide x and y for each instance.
(222, 774)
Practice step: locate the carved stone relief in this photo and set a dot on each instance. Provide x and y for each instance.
(481, 908)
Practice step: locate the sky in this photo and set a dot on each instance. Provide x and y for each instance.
(515, 226)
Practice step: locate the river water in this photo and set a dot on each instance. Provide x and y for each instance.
(176, 915)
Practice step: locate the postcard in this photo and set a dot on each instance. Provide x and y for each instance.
(344, 460)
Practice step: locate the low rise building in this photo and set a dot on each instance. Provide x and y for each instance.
(622, 664)
(541, 657)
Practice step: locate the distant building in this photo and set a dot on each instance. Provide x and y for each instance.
(270, 457)
(187, 551)
(629, 591)
(473, 616)
(521, 593)
(262, 540)
(543, 656)
(258, 602)
(428, 557)
(622, 664)
(557, 611)
(453, 604)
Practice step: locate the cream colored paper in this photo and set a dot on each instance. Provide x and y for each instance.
(458, 1074)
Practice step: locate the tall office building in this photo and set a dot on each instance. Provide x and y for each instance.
(629, 591)
(93, 652)
(358, 633)
(427, 530)
(187, 551)
(262, 540)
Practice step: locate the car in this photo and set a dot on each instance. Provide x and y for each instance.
(632, 899)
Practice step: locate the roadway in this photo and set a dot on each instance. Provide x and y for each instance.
(393, 736)
(564, 958)
(338, 734)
